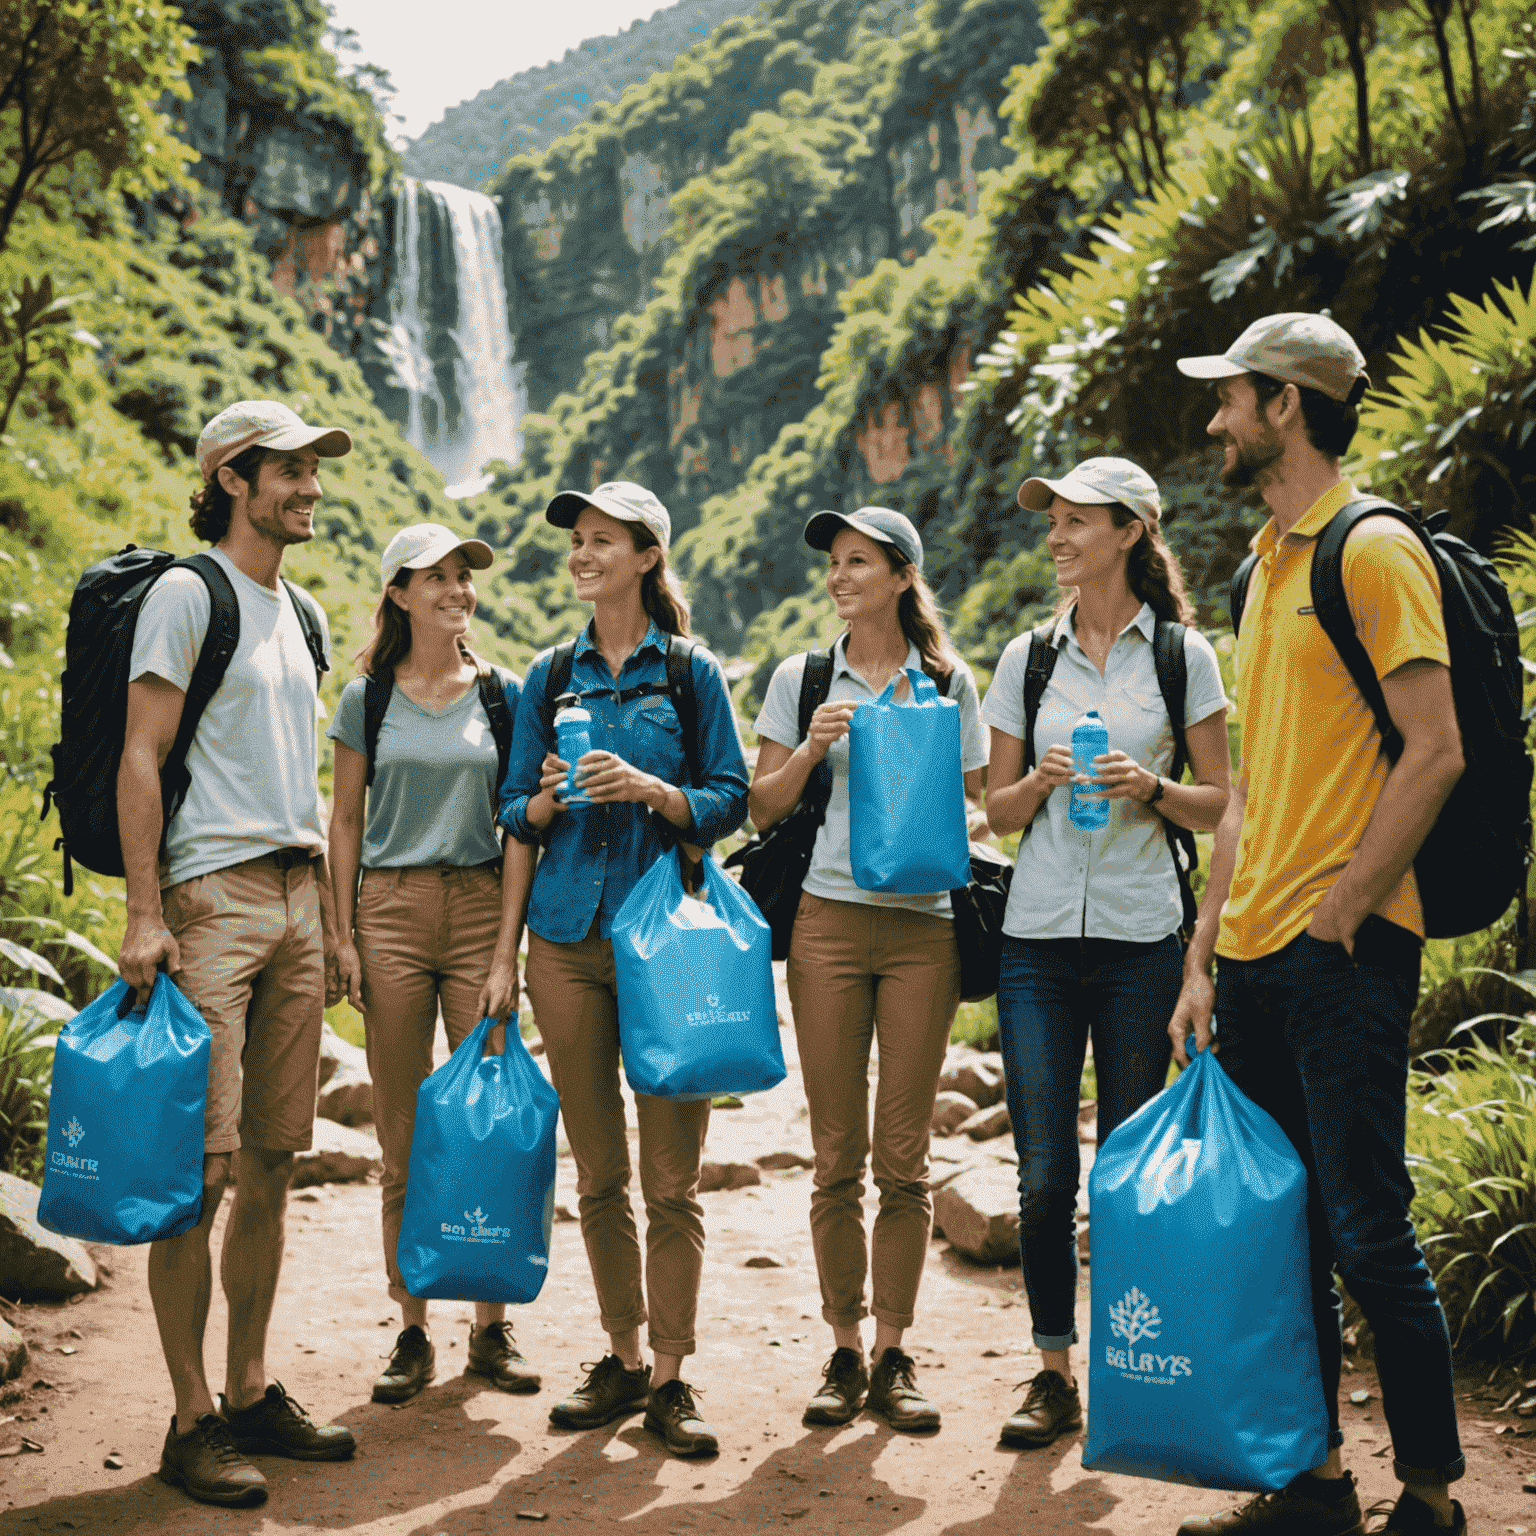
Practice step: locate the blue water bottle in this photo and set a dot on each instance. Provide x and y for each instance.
(1090, 739)
(573, 738)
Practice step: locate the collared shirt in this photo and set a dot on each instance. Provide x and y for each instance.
(594, 854)
(831, 872)
(1117, 881)
(1310, 744)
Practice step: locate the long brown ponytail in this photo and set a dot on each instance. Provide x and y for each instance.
(661, 595)
(1151, 571)
(917, 610)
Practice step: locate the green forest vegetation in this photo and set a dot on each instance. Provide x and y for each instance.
(527, 112)
(1170, 175)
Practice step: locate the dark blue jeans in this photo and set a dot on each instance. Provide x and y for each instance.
(1051, 994)
(1320, 1040)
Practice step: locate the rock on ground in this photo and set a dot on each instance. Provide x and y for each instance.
(987, 1123)
(13, 1352)
(713, 1176)
(776, 1162)
(36, 1264)
(976, 1074)
(346, 1088)
(979, 1213)
(340, 1155)
(950, 1111)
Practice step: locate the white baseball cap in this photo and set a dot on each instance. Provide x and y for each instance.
(1310, 351)
(1097, 482)
(423, 544)
(623, 499)
(263, 424)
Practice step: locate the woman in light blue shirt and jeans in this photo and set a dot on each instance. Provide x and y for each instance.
(1091, 940)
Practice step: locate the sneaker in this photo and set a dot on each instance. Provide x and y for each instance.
(412, 1365)
(275, 1425)
(1413, 1515)
(894, 1395)
(1050, 1408)
(671, 1413)
(493, 1352)
(1306, 1506)
(609, 1392)
(205, 1463)
(842, 1389)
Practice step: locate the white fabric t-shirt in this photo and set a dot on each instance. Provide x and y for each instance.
(1117, 882)
(254, 757)
(831, 872)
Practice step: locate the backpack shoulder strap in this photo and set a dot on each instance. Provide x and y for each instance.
(685, 701)
(1332, 606)
(1037, 675)
(815, 684)
(377, 692)
(558, 679)
(213, 659)
(1237, 589)
(309, 622)
(493, 700)
(1173, 683)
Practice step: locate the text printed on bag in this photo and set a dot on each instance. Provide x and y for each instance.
(715, 1014)
(1133, 1319)
(76, 1167)
(476, 1230)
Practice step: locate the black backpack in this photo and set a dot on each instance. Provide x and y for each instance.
(1172, 680)
(491, 681)
(1473, 862)
(103, 614)
(678, 688)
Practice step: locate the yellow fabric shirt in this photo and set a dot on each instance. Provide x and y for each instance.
(1310, 744)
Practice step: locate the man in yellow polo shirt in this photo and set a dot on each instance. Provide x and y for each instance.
(1311, 904)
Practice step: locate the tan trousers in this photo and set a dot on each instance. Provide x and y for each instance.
(859, 973)
(572, 989)
(425, 937)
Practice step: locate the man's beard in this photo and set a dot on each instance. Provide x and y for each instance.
(272, 528)
(1248, 467)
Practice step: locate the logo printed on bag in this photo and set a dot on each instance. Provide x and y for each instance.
(1133, 1319)
(476, 1231)
(74, 1132)
(715, 1014)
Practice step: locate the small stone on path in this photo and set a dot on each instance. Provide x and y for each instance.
(713, 1176)
(763, 1261)
(113, 1463)
(951, 1110)
(1360, 1397)
(775, 1162)
(987, 1123)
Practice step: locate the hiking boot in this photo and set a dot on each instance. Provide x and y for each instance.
(1411, 1516)
(608, 1393)
(412, 1365)
(275, 1425)
(671, 1413)
(1306, 1506)
(894, 1395)
(493, 1352)
(206, 1464)
(1050, 1408)
(842, 1389)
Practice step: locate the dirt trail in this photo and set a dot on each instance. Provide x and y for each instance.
(460, 1460)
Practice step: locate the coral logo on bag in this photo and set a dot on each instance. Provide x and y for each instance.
(474, 1229)
(1134, 1318)
(713, 1013)
(74, 1132)
(75, 1167)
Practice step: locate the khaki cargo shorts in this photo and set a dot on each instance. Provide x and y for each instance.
(253, 964)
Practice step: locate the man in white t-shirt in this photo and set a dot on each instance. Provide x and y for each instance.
(232, 910)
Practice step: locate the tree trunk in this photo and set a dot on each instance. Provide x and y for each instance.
(1465, 7)
(1349, 14)
(1437, 19)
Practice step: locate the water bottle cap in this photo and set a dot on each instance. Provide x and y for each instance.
(567, 701)
(1093, 714)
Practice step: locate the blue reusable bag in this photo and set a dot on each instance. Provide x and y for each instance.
(480, 1192)
(906, 792)
(1203, 1363)
(697, 1013)
(126, 1119)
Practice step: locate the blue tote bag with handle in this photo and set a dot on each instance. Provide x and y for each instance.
(480, 1193)
(1203, 1363)
(906, 792)
(126, 1119)
(697, 1013)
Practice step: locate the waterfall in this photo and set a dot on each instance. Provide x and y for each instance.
(449, 347)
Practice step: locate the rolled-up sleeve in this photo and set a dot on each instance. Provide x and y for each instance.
(530, 743)
(719, 805)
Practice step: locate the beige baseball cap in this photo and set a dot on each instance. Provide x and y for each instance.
(263, 424)
(623, 499)
(1098, 482)
(1310, 351)
(424, 544)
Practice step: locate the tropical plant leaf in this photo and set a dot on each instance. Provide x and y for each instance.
(29, 960)
(34, 1000)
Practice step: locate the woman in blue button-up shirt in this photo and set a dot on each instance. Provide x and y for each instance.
(644, 803)
(1090, 936)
